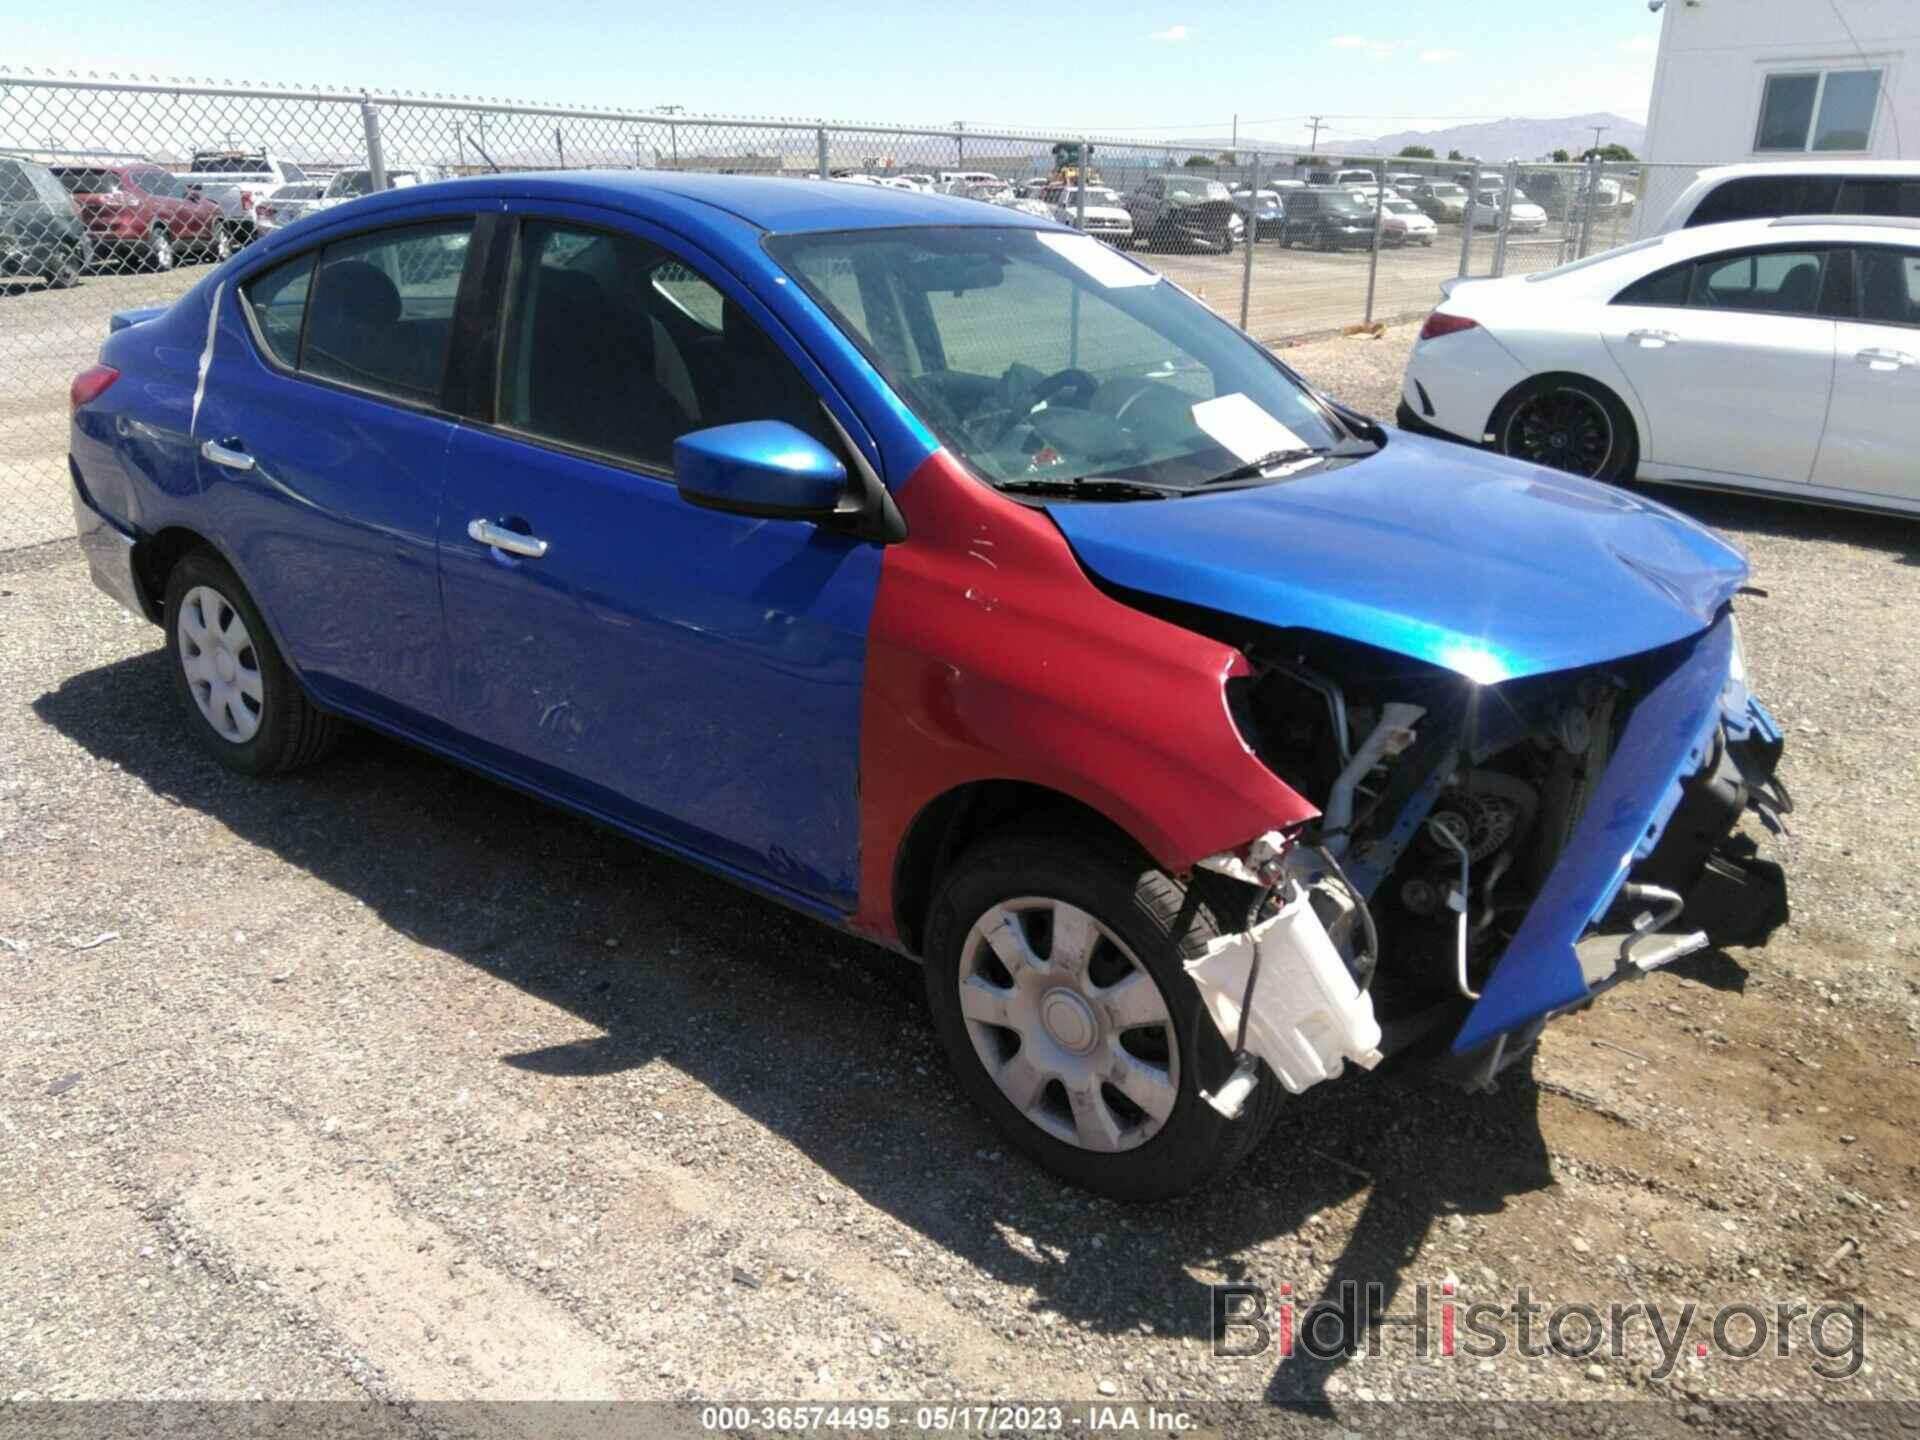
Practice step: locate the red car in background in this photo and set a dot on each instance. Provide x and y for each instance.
(142, 213)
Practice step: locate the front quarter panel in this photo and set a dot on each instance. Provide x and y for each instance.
(992, 656)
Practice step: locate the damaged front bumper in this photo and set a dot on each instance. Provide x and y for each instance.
(1696, 752)
(1656, 842)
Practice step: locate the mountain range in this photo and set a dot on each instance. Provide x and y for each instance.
(1519, 137)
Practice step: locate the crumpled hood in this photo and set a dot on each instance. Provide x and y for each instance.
(1483, 565)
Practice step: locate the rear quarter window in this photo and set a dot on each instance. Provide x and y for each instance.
(277, 301)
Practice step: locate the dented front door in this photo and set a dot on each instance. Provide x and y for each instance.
(687, 673)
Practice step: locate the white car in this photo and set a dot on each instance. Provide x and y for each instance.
(287, 204)
(352, 184)
(1406, 222)
(917, 181)
(1526, 218)
(1107, 214)
(1774, 355)
(1767, 188)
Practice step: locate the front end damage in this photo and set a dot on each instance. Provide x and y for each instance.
(1487, 856)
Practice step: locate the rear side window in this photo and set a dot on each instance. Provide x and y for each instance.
(277, 301)
(1663, 287)
(16, 186)
(1775, 282)
(1756, 197)
(1878, 195)
(382, 309)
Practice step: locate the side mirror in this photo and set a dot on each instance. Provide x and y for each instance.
(759, 467)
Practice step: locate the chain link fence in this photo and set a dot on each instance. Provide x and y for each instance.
(114, 194)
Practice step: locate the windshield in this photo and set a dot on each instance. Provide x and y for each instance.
(1447, 192)
(87, 181)
(1402, 207)
(1045, 358)
(229, 164)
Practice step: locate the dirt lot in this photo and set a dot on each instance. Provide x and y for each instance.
(382, 1081)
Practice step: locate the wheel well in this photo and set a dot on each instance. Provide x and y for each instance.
(949, 824)
(153, 562)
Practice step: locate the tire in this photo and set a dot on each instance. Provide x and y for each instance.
(1518, 421)
(1134, 908)
(221, 248)
(243, 703)
(66, 272)
(161, 255)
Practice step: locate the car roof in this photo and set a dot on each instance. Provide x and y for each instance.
(1812, 167)
(767, 202)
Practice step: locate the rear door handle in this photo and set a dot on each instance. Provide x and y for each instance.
(1878, 359)
(501, 538)
(1652, 339)
(222, 455)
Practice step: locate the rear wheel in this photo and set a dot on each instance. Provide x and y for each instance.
(1053, 972)
(160, 252)
(243, 703)
(1568, 423)
(222, 246)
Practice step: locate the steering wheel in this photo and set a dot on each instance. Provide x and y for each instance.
(1078, 382)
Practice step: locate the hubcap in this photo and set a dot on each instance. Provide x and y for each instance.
(1565, 429)
(1069, 1024)
(221, 665)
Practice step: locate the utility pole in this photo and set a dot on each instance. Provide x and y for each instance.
(1598, 130)
(959, 144)
(1236, 137)
(1313, 145)
(673, 130)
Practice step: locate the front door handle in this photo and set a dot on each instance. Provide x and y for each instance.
(501, 538)
(223, 455)
(1652, 339)
(1878, 359)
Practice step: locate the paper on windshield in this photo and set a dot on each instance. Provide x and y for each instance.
(1107, 267)
(1243, 427)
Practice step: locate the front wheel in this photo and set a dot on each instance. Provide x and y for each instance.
(1054, 976)
(160, 252)
(66, 269)
(242, 701)
(222, 246)
(1568, 423)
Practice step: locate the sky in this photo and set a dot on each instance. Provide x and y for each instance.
(1165, 69)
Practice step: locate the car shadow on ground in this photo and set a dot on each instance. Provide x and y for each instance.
(1898, 535)
(824, 1039)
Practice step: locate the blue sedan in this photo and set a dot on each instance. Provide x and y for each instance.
(954, 579)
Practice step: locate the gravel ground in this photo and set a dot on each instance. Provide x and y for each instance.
(381, 1082)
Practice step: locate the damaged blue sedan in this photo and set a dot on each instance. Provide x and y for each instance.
(945, 575)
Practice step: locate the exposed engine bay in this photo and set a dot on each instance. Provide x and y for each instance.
(1447, 805)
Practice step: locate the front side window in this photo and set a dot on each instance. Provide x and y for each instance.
(618, 347)
(1889, 286)
(1754, 197)
(382, 309)
(1048, 357)
(1817, 110)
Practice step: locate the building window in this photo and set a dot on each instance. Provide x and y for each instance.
(1818, 110)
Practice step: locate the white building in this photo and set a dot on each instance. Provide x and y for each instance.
(1772, 79)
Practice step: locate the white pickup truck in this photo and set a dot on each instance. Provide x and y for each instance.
(237, 180)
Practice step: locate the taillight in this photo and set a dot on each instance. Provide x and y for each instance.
(246, 200)
(90, 384)
(1439, 324)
